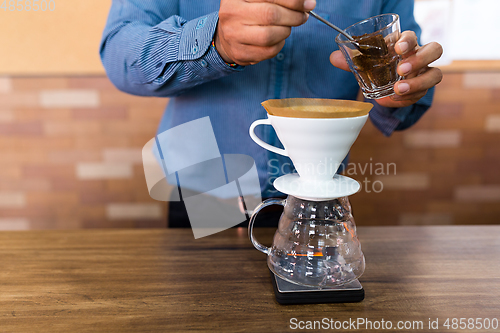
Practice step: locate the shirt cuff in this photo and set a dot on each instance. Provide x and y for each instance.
(196, 37)
(212, 64)
(383, 118)
(176, 40)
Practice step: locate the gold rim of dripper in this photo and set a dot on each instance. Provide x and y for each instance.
(316, 108)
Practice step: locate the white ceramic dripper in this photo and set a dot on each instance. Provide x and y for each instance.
(317, 137)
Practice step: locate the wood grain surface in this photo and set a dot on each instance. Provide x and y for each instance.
(163, 280)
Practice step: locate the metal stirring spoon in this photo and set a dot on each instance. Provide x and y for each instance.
(365, 49)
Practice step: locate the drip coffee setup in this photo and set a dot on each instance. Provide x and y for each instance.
(316, 256)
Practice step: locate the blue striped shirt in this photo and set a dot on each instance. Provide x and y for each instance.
(163, 49)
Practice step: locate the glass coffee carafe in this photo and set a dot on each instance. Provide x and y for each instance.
(315, 244)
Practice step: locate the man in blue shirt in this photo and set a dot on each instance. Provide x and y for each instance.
(222, 58)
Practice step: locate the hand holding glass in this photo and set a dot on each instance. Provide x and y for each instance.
(376, 73)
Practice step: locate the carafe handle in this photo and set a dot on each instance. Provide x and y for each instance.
(261, 143)
(265, 203)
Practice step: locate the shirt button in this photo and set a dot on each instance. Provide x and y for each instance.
(194, 50)
(203, 63)
(280, 56)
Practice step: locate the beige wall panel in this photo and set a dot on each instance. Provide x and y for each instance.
(59, 42)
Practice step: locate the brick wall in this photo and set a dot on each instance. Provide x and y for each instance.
(447, 165)
(70, 157)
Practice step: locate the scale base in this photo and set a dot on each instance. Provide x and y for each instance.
(289, 293)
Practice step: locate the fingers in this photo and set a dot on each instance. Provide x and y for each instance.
(411, 66)
(250, 31)
(265, 14)
(261, 36)
(247, 55)
(418, 76)
(337, 59)
(297, 5)
(419, 85)
(407, 43)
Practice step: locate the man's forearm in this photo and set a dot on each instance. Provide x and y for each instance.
(161, 60)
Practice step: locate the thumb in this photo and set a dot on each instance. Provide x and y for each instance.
(338, 60)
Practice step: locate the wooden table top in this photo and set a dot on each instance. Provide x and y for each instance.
(163, 280)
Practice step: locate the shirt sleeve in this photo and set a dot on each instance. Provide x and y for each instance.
(388, 120)
(146, 55)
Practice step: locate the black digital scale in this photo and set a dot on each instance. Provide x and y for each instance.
(290, 293)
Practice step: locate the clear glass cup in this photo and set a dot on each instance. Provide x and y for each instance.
(376, 72)
(315, 244)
